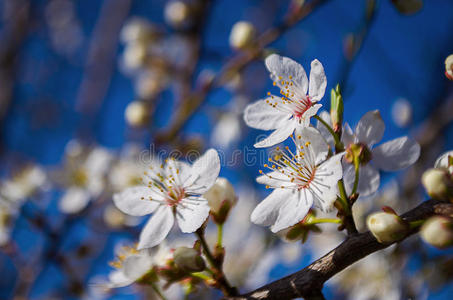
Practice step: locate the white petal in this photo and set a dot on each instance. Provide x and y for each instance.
(310, 112)
(293, 210)
(118, 279)
(261, 115)
(369, 180)
(130, 201)
(442, 161)
(317, 149)
(98, 161)
(205, 171)
(190, 216)
(74, 200)
(324, 186)
(325, 116)
(275, 179)
(157, 228)
(370, 128)
(278, 136)
(318, 81)
(396, 154)
(266, 212)
(347, 136)
(286, 67)
(178, 169)
(135, 266)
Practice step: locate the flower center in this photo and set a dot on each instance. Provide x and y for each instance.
(174, 195)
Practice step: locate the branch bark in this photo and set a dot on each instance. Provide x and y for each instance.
(308, 282)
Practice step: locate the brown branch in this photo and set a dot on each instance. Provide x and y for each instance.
(309, 281)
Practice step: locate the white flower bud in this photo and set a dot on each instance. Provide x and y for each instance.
(189, 259)
(386, 227)
(438, 231)
(402, 112)
(242, 35)
(449, 67)
(148, 85)
(137, 29)
(177, 13)
(222, 192)
(438, 183)
(445, 161)
(134, 55)
(137, 114)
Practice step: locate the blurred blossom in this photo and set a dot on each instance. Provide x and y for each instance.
(137, 114)
(242, 35)
(83, 175)
(149, 84)
(115, 218)
(449, 67)
(128, 169)
(138, 30)
(134, 56)
(178, 14)
(227, 131)
(24, 184)
(402, 112)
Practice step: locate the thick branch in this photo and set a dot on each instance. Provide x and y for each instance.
(309, 281)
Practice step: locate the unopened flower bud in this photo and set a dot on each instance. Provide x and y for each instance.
(137, 114)
(221, 198)
(242, 35)
(445, 161)
(138, 29)
(449, 67)
(336, 108)
(438, 183)
(134, 56)
(438, 231)
(189, 259)
(386, 227)
(177, 13)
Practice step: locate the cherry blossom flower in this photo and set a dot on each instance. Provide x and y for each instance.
(294, 107)
(393, 155)
(170, 192)
(300, 179)
(132, 265)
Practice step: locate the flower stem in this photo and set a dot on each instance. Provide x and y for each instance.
(343, 197)
(338, 143)
(201, 275)
(356, 177)
(219, 235)
(158, 291)
(323, 220)
(219, 276)
(415, 224)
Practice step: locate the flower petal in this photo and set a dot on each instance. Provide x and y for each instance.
(369, 180)
(276, 179)
(262, 115)
(324, 185)
(135, 266)
(293, 210)
(135, 201)
(370, 128)
(117, 279)
(191, 214)
(280, 66)
(266, 212)
(74, 200)
(312, 143)
(310, 112)
(396, 154)
(157, 228)
(347, 136)
(278, 136)
(205, 171)
(318, 81)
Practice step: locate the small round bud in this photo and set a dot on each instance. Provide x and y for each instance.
(438, 231)
(402, 112)
(438, 183)
(177, 13)
(449, 67)
(188, 259)
(222, 191)
(137, 114)
(134, 55)
(137, 29)
(242, 35)
(386, 227)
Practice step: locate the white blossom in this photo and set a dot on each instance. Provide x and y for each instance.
(170, 192)
(393, 155)
(294, 107)
(300, 180)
